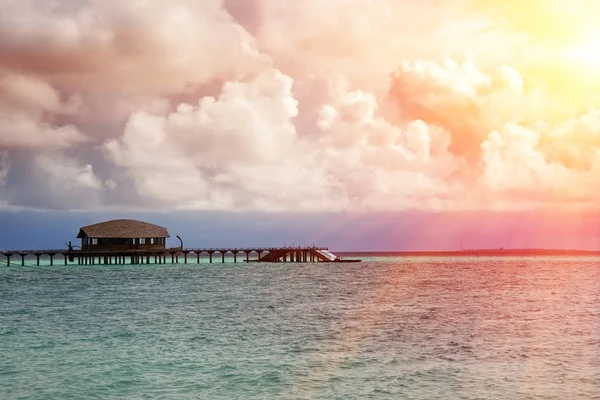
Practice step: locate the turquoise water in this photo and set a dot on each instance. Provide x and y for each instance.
(388, 328)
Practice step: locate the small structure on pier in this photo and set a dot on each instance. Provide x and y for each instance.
(123, 235)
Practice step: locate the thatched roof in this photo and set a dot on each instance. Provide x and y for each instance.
(123, 228)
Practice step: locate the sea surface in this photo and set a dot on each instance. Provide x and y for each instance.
(386, 328)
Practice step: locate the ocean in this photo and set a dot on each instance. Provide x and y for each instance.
(386, 328)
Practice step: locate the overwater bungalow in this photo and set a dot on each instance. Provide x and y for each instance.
(123, 235)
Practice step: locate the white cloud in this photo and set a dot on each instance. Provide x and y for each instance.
(202, 155)
(516, 168)
(286, 106)
(242, 150)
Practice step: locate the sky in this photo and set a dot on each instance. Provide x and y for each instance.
(358, 124)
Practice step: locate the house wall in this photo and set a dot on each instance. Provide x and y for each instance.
(123, 244)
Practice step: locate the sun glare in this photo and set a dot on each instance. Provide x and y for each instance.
(585, 52)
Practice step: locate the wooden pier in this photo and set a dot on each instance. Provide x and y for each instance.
(172, 256)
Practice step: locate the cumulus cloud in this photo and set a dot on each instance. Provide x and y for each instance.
(132, 46)
(243, 150)
(575, 142)
(307, 105)
(460, 98)
(28, 109)
(505, 130)
(223, 152)
(516, 170)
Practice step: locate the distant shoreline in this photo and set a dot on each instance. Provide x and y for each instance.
(475, 252)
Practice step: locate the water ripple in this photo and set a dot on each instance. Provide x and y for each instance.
(481, 328)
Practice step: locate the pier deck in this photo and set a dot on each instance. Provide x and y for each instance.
(86, 257)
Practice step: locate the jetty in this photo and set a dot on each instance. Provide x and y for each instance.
(173, 256)
(127, 241)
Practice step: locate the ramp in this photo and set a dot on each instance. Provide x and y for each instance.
(325, 255)
(301, 255)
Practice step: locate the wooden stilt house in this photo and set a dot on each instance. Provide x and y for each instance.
(123, 235)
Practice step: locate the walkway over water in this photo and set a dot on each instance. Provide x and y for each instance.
(84, 257)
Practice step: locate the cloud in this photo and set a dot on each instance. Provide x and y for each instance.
(223, 152)
(504, 129)
(575, 142)
(65, 182)
(28, 107)
(242, 150)
(516, 169)
(360, 39)
(72, 73)
(311, 105)
(457, 97)
(125, 46)
(65, 174)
